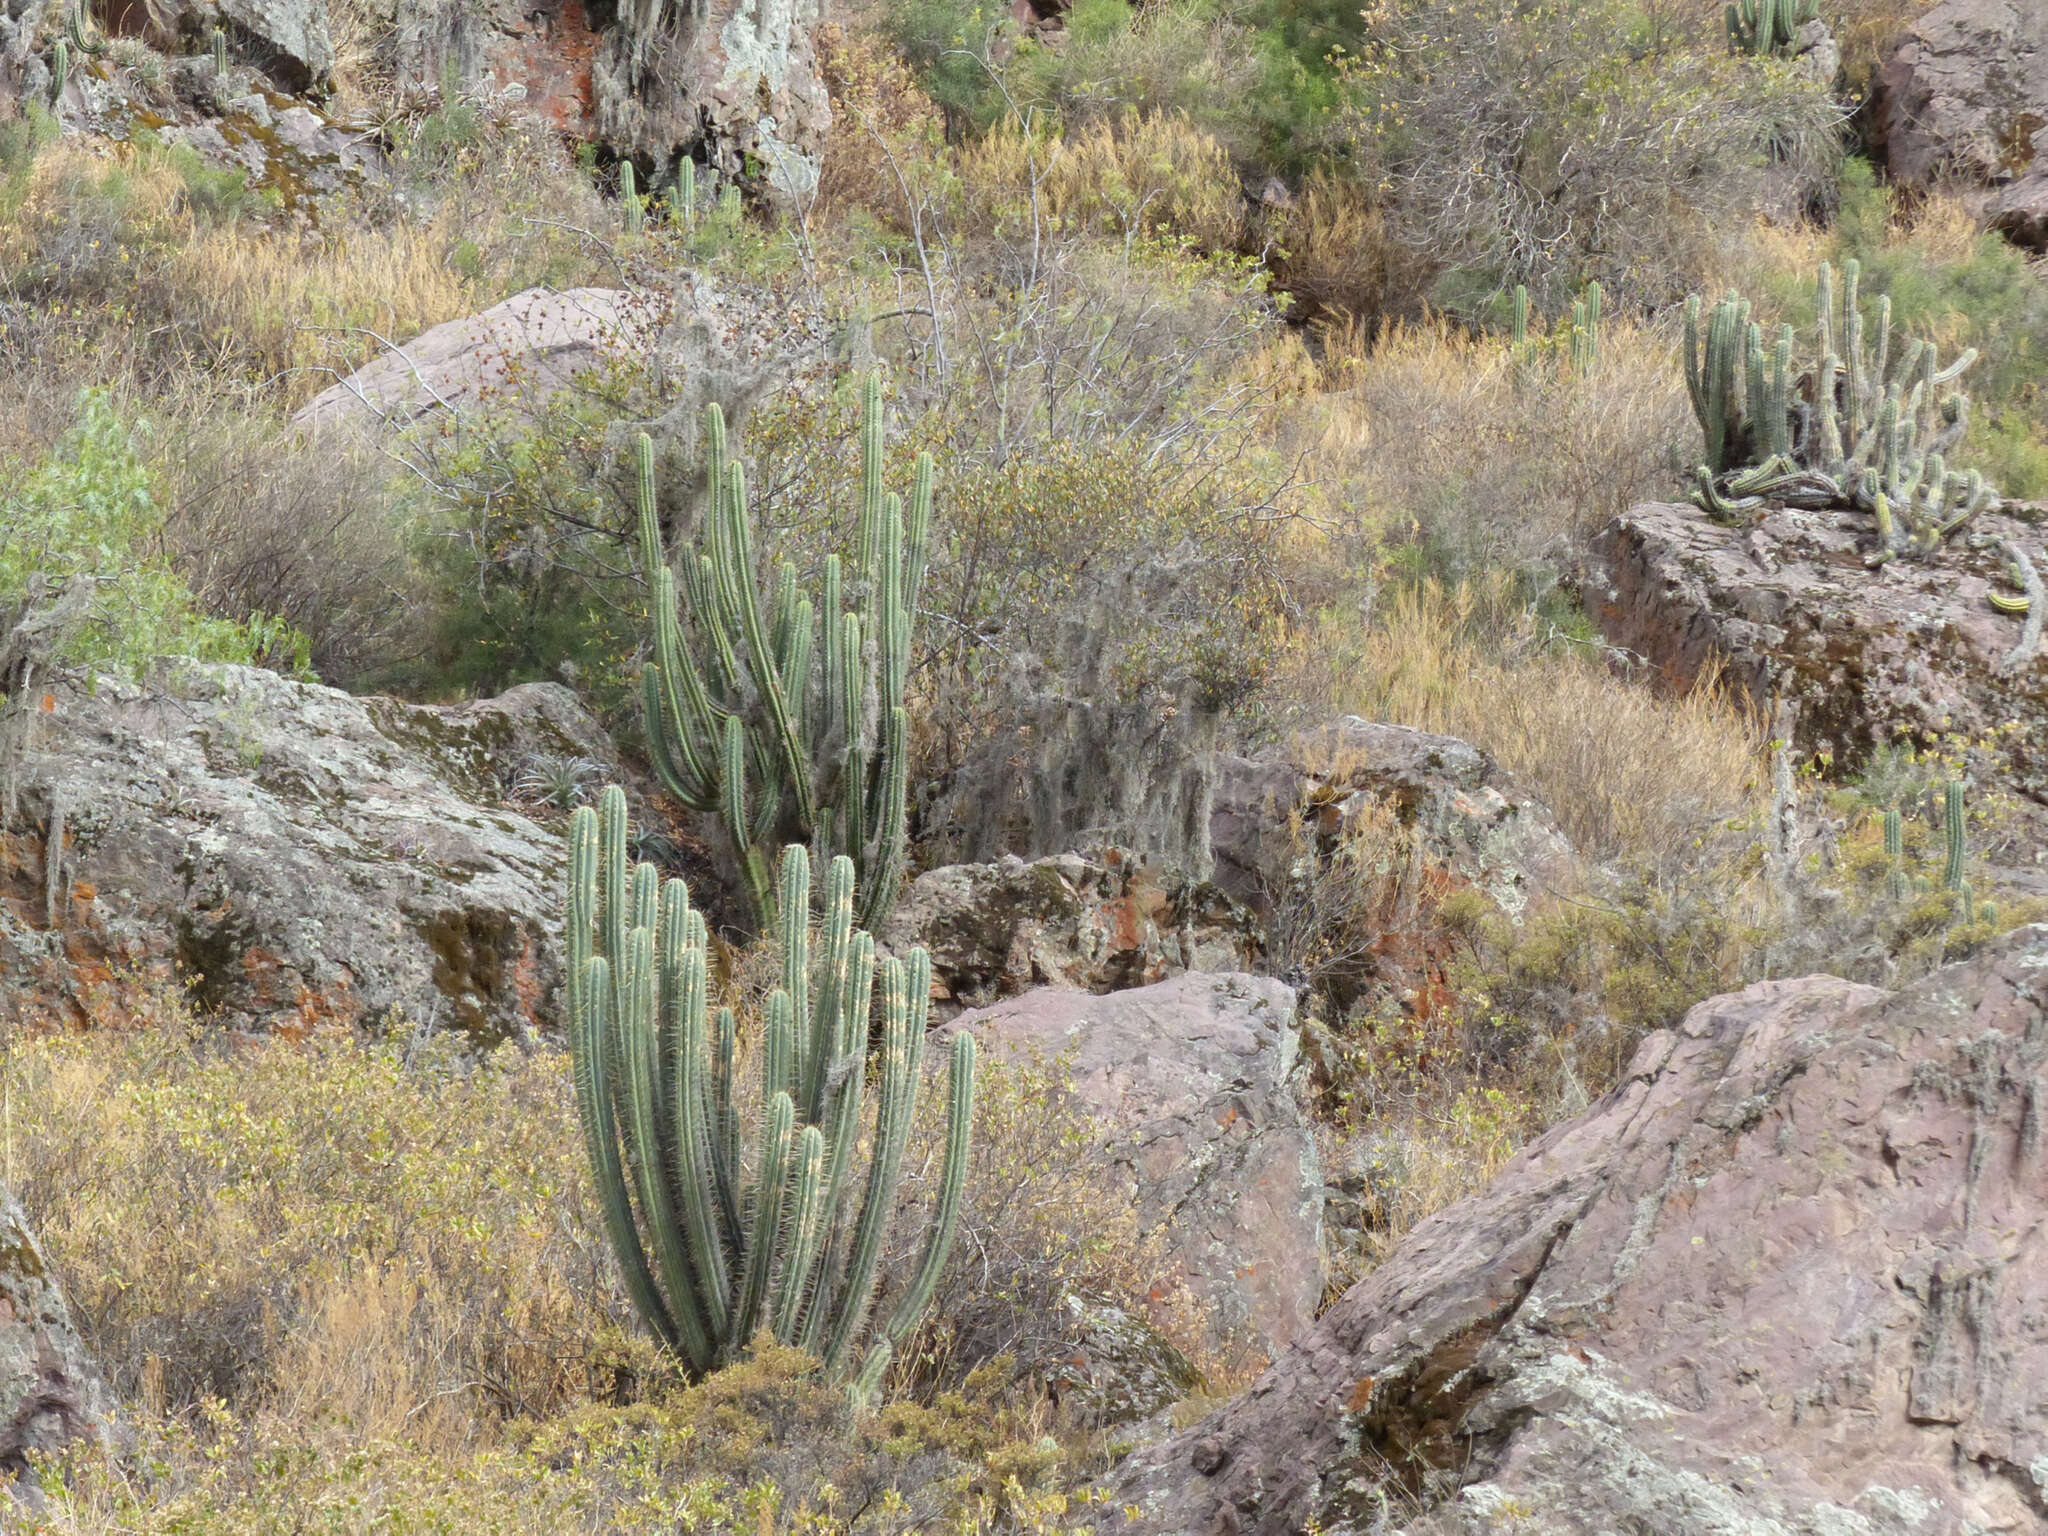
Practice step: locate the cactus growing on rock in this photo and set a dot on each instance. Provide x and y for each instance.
(785, 718)
(715, 1245)
(1864, 426)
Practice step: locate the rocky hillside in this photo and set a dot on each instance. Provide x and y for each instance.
(1023, 768)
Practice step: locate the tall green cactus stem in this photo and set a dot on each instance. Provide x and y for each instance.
(710, 1255)
(1895, 853)
(629, 198)
(1519, 333)
(92, 47)
(684, 198)
(786, 717)
(60, 71)
(220, 54)
(1952, 807)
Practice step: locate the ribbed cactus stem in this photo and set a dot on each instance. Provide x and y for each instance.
(758, 702)
(220, 53)
(60, 71)
(1519, 325)
(1952, 806)
(629, 198)
(710, 1255)
(1895, 853)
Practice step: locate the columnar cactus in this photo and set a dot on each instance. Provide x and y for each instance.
(629, 198)
(1865, 426)
(1952, 807)
(785, 718)
(60, 71)
(220, 54)
(1895, 851)
(715, 1244)
(1766, 26)
(1586, 330)
(1520, 324)
(92, 47)
(683, 199)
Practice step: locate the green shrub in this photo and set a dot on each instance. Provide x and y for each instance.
(87, 510)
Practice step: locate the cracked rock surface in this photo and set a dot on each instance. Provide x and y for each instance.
(1188, 1080)
(49, 1393)
(294, 854)
(1787, 1278)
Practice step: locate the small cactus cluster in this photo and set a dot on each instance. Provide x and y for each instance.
(1955, 857)
(629, 198)
(786, 718)
(1767, 26)
(1867, 425)
(716, 1245)
(682, 197)
(1583, 336)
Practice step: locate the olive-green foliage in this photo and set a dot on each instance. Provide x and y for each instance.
(789, 720)
(1864, 424)
(87, 510)
(713, 1257)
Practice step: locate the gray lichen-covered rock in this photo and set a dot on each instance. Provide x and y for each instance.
(1786, 1279)
(1100, 922)
(1190, 1083)
(1113, 1367)
(1858, 658)
(1472, 819)
(50, 1395)
(1965, 98)
(293, 854)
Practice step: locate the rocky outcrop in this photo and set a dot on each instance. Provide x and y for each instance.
(512, 357)
(1470, 818)
(1966, 97)
(1786, 1278)
(50, 1395)
(1099, 923)
(1856, 657)
(1190, 1083)
(292, 854)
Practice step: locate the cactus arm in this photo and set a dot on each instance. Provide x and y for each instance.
(1952, 806)
(952, 1186)
(696, 1153)
(870, 505)
(867, 1386)
(1895, 854)
(761, 657)
(897, 1094)
(765, 1227)
(882, 868)
(917, 537)
(2034, 605)
(725, 1119)
(806, 1228)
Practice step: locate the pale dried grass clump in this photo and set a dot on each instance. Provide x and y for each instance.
(1494, 456)
(1631, 773)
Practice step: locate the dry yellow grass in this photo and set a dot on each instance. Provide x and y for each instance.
(1629, 772)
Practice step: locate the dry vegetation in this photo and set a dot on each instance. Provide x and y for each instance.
(355, 1285)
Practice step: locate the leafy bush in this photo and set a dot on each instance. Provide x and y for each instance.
(87, 511)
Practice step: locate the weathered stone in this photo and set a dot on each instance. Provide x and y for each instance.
(1785, 1279)
(1858, 658)
(293, 854)
(1472, 819)
(1966, 95)
(50, 1394)
(1190, 1081)
(512, 357)
(291, 36)
(1113, 1367)
(1100, 923)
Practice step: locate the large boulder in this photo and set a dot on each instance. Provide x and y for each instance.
(291, 853)
(1785, 1278)
(1099, 922)
(50, 1394)
(1190, 1084)
(514, 357)
(1856, 658)
(1269, 812)
(1966, 97)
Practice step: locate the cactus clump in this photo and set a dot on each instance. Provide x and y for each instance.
(1866, 425)
(629, 198)
(783, 717)
(220, 54)
(1767, 26)
(1586, 330)
(717, 1244)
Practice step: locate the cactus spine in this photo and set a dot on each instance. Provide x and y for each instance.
(787, 718)
(1895, 852)
(1952, 806)
(709, 1256)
